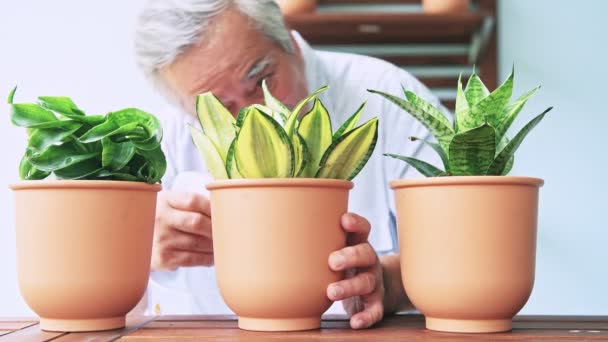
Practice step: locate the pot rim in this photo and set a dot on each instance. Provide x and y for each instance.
(280, 182)
(467, 180)
(84, 184)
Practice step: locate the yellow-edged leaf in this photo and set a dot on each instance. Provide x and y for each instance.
(263, 149)
(217, 122)
(315, 128)
(349, 154)
(290, 124)
(209, 152)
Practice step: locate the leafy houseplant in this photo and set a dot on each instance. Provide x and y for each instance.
(468, 232)
(87, 236)
(273, 169)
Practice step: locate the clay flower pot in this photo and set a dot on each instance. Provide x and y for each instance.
(468, 248)
(272, 239)
(445, 6)
(292, 7)
(83, 250)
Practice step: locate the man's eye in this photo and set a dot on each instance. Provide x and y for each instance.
(268, 79)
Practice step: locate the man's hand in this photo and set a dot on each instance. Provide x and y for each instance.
(182, 231)
(362, 292)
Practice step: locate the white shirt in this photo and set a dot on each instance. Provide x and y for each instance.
(193, 290)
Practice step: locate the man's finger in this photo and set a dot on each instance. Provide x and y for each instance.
(189, 222)
(361, 255)
(191, 243)
(372, 314)
(189, 259)
(357, 226)
(360, 285)
(189, 201)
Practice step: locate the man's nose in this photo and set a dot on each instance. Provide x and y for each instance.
(235, 105)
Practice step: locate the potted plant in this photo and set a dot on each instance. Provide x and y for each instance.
(468, 232)
(281, 187)
(84, 240)
(445, 6)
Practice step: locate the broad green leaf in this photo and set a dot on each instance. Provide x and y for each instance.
(117, 176)
(437, 148)
(315, 128)
(499, 164)
(231, 169)
(426, 107)
(208, 150)
(42, 138)
(27, 171)
(155, 165)
(106, 130)
(511, 112)
(115, 156)
(11, 95)
(274, 104)
(301, 156)
(263, 149)
(292, 119)
(351, 123)
(57, 157)
(442, 132)
(472, 152)
(462, 107)
(217, 122)
(147, 135)
(346, 156)
(92, 120)
(475, 90)
(490, 109)
(28, 115)
(81, 170)
(423, 167)
(60, 104)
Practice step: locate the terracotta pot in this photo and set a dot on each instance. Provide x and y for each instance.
(468, 248)
(292, 7)
(272, 239)
(83, 250)
(445, 6)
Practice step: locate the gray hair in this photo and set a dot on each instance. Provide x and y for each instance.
(167, 28)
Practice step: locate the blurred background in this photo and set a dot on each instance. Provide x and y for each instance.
(83, 49)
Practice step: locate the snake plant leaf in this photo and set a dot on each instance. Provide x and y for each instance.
(263, 149)
(28, 171)
(347, 156)
(426, 107)
(504, 142)
(491, 108)
(60, 104)
(475, 90)
(423, 167)
(462, 106)
(231, 169)
(437, 148)
(442, 132)
(57, 157)
(217, 122)
(209, 152)
(292, 119)
(471, 152)
(272, 103)
(279, 117)
(155, 164)
(511, 112)
(301, 155)
(315, 128)
(115, 156)
(499, 164)
(30, 115)
(40, 139)
(350, 123)
(11, 95)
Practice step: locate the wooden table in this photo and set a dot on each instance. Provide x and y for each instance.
(335, 328)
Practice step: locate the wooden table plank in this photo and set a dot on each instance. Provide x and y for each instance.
(133, 323)
(31, 333)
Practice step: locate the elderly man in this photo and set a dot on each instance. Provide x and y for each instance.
(187, 47)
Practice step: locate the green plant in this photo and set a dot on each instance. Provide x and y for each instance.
(121, 145)
(269, 141)
(476, 144)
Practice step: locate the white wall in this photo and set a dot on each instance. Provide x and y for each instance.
(83, 49)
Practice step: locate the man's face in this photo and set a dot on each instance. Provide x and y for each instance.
(231, 63)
